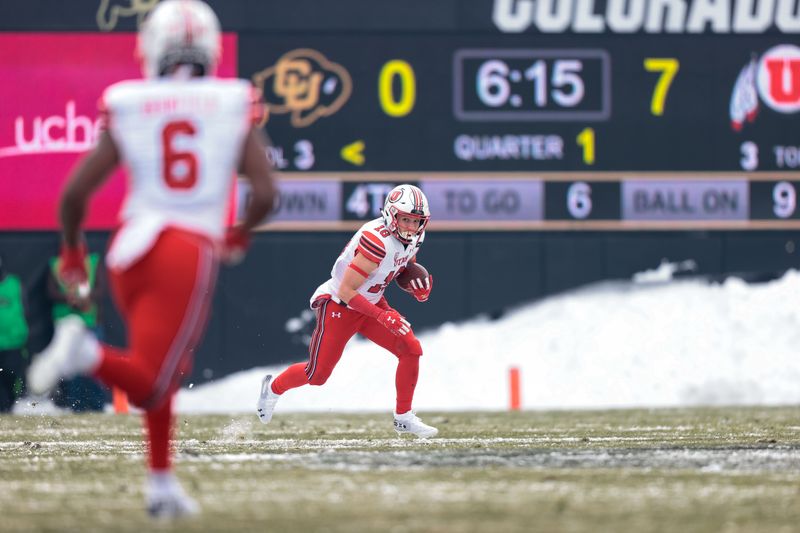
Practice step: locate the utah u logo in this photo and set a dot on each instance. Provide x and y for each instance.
(334, 314)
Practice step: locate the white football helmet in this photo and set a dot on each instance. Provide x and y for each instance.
(179, 32)
(406, 200)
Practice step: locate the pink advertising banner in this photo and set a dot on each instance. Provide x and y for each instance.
(49, 87)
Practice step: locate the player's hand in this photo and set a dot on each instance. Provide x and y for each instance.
(394, 322)
(421, 288)
(72, 271)
(235, 245)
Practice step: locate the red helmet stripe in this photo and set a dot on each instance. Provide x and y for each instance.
(417, 198)
(187, 19)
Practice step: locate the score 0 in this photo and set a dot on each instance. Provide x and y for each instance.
(401, 104)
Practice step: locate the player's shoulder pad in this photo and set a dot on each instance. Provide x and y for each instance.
(116, 98)
(371, 246)
(119, 92)
(250, 96)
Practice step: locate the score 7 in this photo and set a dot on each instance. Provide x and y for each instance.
(668, 67)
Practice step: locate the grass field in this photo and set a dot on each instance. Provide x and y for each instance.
(686, 470)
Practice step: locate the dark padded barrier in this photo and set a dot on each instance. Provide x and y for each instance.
(475, 273)
(573, 260)
(490, 282)
(752, 253)
(630, 253)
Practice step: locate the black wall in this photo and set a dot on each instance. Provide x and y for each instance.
(474, 273)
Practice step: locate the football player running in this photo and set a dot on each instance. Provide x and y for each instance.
(182, 133)
(352, 301)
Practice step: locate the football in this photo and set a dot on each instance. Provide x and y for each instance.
(412, 271)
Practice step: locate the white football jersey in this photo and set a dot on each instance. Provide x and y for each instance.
(376, 243)
(181, 141)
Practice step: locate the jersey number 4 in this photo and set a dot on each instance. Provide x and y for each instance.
(180, 167)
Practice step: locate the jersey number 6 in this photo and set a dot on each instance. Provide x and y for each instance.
(180, 167)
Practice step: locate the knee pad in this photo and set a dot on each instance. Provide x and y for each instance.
(407, 348)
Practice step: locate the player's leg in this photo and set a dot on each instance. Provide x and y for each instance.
(165, 496)
(72, 351)
(408, 351)
(336, 324)
(164, 299)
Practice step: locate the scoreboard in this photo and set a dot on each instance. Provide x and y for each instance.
(529, 131)
(457, 102)
(557, 201)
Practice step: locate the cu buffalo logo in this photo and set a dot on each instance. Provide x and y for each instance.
(774, 79)
(110, 11)
(304, 84)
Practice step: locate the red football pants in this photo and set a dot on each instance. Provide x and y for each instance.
(336, 325)
(164, 300)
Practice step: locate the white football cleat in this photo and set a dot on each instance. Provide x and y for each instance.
(166, 500)
(72, 351)
(266, 400)
(410, 423)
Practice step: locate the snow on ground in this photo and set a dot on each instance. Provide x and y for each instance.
(654, 342)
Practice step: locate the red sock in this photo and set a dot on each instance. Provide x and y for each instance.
(159, 429)
(405, 381)
(291, 378)
(118, 369)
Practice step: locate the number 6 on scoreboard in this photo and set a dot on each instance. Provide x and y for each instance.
(668, 67)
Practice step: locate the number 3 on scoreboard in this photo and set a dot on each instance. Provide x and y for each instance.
(668, 67)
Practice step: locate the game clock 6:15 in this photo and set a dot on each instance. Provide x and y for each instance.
(532, 85)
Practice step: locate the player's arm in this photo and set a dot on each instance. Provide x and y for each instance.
(355, 276)
(357, 272)
(370, 251)
(91, 172)
(256, 169)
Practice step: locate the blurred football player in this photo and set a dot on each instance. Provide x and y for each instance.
(182, 133)
(352, 301)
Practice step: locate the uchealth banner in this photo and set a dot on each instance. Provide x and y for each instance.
(50, 84)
